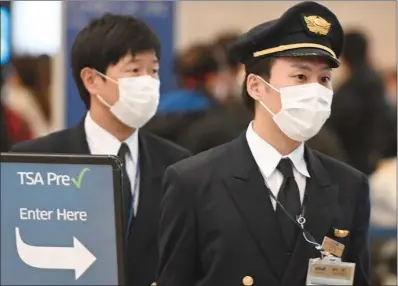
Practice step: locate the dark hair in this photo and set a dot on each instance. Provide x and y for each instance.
(196, 61)
(355, 48)
(222, 42)
(193, 65)
(261, 68)
(105, 41)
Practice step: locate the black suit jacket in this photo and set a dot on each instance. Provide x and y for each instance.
(218, 225)
(155, 155)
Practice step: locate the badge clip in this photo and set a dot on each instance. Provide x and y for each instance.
(301, 221)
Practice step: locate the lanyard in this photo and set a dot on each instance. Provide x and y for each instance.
(133, 198)
(300, 221)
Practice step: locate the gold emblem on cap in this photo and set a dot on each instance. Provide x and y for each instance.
(317, 25)
(341, 232)
(248, 281)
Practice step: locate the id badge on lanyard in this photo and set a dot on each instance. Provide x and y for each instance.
(330, 270)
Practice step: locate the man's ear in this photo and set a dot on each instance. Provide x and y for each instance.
(90, 80)
(253, 86)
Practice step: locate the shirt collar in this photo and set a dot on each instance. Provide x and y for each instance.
(101, 142)
(267, 157)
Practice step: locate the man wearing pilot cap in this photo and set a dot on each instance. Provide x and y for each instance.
(255, 210)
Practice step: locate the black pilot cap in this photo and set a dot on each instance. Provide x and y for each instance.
(306, 29)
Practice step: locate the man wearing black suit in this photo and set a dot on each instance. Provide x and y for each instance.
(115, 62)
(220, 221)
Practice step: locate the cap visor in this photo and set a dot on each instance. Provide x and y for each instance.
(310, 52)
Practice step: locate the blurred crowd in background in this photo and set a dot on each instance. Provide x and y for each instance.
(205, 110)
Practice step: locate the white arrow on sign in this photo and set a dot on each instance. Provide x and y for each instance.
(77, 258)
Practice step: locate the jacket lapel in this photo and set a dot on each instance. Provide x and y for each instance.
(321, 207)
(77, 140)
(150, 193)
(247, 188)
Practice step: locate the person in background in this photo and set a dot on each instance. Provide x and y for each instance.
(221, 125)
(390, 127)
(383, 193)
(385, 263)
(216, 127)
(18, 94)
(328, 143)
(390, 84)
(359, 110)
(200, 76)
(220, 221)
(234, 71)
(5, 143)
(199, 72)
(4, 136)
(383, 188)
(115, 64)
(13, 128)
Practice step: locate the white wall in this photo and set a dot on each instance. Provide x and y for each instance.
(201, 20)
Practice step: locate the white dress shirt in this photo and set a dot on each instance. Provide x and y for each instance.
(101, 142)
(267, 159)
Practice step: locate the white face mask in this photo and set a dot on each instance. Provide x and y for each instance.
(305, 109)
(138, 99)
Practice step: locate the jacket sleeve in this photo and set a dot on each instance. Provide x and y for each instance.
(177, 233)
(359, 245)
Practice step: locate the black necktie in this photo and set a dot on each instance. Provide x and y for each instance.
(289, 197)
(126, 185)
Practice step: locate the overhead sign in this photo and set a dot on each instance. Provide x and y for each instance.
(60, 221)
(159, 15)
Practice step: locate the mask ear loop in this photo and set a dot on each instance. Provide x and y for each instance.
(103, 101)
(106, 77)
(262, 103)
(100, 97)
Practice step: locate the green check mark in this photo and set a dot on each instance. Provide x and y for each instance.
(78, 181)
